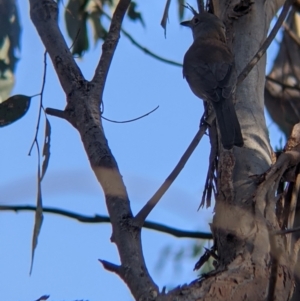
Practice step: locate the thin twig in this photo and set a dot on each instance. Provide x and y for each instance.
(205, 257)
(285, 86)
(147, 51)
(267, 42)
(191, 8)
(64, 115)
(98, 219)
(131, 120)
(41, 103)
(34, 95)
(56, 113)
(144, 212)
(287, 231)
(139, 46)
(292, 35)
(111, 267)
(109, 46)
(39, 206)
(76, 37)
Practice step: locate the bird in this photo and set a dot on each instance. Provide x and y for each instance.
(208, 67)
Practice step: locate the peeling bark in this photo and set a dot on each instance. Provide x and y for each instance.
(282, 95)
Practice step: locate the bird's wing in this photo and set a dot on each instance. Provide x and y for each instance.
(211, 72)
(200, 77)
(225, 75)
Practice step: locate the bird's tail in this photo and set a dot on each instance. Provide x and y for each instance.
(228, 123)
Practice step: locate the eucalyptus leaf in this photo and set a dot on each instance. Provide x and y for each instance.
(181, 9)
(99, 32)
(76, 18)
(13, 109)
(38, 218)
(135, 15)
(46, 148)
(165, 17)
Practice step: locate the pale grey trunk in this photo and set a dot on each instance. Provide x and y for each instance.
(242, 222)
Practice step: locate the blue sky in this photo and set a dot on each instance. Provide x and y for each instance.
(66, 261)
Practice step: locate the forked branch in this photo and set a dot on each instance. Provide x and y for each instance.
(109, 46)
(83, 109)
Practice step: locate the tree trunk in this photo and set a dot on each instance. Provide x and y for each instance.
(282, 95)
(253, 263)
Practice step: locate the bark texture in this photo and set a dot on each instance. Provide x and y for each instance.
(253, 263)
(282, 96)
(83, 112)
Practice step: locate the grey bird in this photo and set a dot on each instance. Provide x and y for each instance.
(208, 67)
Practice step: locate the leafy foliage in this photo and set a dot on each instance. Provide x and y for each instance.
(10, 32)
(135, 15)
(79, 12)
(76, 17)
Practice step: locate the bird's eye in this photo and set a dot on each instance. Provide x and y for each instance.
(196, 20)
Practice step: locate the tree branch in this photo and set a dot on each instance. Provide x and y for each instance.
(109, 46)
(83, 107)
(272, 7)
(145, 211)
(45, 21)
(138, 45)
(266, 43)
(287, 231)
(57, 113)
(112, 267)
(98, 219)
(149, 52)
(284, 86)
(290, 32)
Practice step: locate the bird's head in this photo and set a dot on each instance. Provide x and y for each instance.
(206, 25)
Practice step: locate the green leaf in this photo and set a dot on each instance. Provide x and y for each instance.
(165, 17)
(135, 15)
(13, 109)
(99, 31)
(181, 9)
(76, 18)
(10, 32)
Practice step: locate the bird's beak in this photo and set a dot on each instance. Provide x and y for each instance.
(186, 23)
